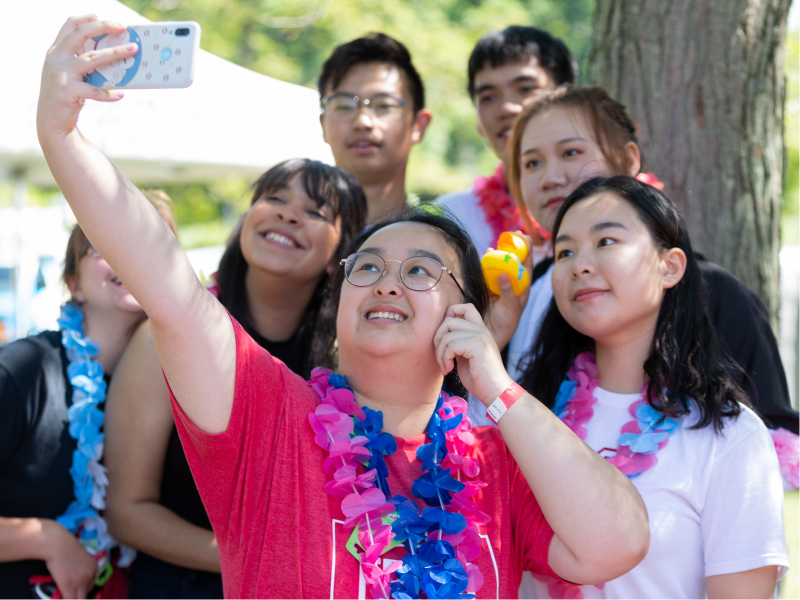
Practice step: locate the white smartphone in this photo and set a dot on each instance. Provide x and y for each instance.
(165, 58)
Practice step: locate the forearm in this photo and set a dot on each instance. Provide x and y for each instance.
(159, 532)
(594, 510)
(121, 224)
(22, 539)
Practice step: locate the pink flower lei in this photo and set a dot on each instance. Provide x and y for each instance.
(443, 540)
(639, 441)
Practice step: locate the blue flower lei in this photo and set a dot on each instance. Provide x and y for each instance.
(85, 419)
(431, 565)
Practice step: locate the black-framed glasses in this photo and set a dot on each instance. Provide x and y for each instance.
(344, 107)
(417, 273)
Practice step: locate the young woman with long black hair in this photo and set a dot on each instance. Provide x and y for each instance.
(628, 358)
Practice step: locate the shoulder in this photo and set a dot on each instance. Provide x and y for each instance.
(723, 285)
(29, 354)
(456, 199)
(743, 430)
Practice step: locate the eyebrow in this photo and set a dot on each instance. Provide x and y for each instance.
(607, 225)
(414, 252)
(516, 80)
(558, 143)
(595, 229)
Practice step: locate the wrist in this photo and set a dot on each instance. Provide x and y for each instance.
(496, 389)
(504, 401)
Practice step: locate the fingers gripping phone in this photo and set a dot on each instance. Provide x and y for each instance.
(165, 58)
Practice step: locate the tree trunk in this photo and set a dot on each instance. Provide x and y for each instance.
(703, 80)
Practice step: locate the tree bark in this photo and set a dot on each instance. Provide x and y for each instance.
(703, 80)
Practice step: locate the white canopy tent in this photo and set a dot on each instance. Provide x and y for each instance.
(231, 121)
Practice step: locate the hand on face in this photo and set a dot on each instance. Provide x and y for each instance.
(609, 278)
(63, 90)
(286, 233)
(370, 147)
(463, 340)
(501, 93)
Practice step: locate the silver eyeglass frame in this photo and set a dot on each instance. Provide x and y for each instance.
(400, 273)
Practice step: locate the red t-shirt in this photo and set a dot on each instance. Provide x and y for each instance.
(281, 536)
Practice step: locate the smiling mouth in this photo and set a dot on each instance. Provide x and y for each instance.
(385, 315)
(555, 201)
(588, 294)
(276, 237)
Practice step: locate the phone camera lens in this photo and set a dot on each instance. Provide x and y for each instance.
(182, 31)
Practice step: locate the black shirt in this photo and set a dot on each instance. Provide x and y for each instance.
(35, 445)
(742, 325)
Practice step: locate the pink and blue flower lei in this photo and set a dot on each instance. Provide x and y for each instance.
(640, 438)
(443, 539)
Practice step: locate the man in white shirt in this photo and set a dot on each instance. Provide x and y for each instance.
(505, 72)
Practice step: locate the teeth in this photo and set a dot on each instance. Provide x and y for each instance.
(385, 315)
(281, 239)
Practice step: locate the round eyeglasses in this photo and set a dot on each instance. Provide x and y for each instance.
(343, 107)
(418, 273)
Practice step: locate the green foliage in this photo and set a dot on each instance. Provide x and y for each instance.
(290, 41)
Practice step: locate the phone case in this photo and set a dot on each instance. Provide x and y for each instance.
(165, 58)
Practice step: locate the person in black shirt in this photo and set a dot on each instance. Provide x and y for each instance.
(36, 449)
(271, 278)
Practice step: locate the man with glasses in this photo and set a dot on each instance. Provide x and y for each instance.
(372, 112)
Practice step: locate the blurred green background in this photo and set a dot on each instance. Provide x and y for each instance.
(290, 41)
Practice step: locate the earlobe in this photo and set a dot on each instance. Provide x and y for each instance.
(322, 124)
(674, 267)
(74, 289)
(421, 122)
(633, 158)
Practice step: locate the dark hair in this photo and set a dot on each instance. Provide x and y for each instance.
(375, 47)
(474, 285)
(328, 186)
(686, 361)
(517, 43)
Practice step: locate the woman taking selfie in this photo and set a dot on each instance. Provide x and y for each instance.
(280, 474)
(272, 278)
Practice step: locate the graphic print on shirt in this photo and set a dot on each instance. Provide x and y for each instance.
(341, 556)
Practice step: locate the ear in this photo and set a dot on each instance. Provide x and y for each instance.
(74, 289)
(421, 122)
(674, 267)
(322, 124)
(633, 159)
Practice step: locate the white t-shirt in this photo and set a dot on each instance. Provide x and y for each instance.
(715, 505)
(463, 206)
